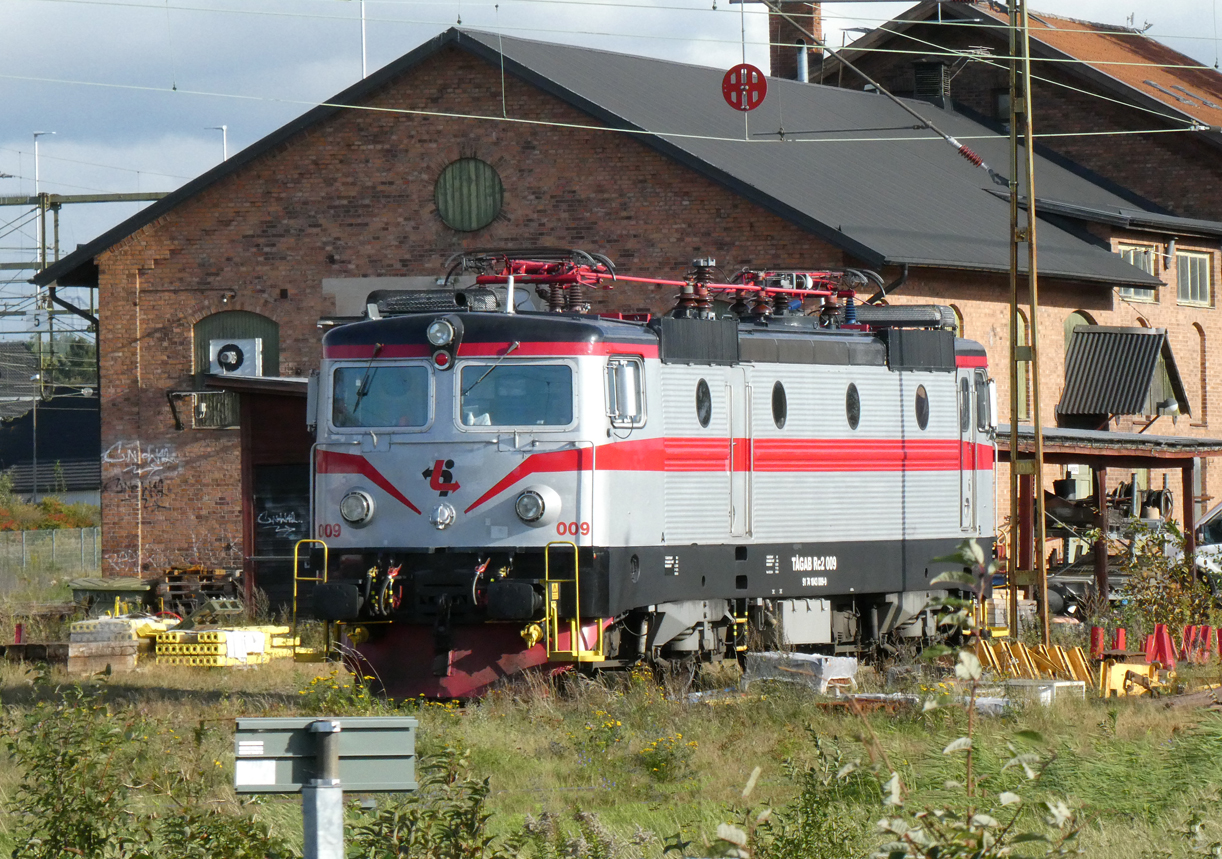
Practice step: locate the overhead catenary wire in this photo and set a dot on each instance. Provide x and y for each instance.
(45, 157)
(678, 135)
(991, 62)
(570, 31)
(963, 149)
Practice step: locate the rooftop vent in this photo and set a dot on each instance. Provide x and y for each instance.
(932, 82)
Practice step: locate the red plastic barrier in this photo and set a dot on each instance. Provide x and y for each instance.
(1120, 642)
(1096, 642)
(1188, 641)
(1149, 649)
(19, 634)
(1164, 649)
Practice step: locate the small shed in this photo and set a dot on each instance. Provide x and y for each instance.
(1101, 450)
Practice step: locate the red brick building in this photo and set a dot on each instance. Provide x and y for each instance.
(474, 141)
(1123, 107)
(1115, 107)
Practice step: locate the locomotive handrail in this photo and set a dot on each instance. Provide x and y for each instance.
(299, 578)
(577, 643)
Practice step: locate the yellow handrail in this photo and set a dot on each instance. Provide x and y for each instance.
(298, 578)
(576, 649)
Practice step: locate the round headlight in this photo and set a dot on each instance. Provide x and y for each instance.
(356, 507)
(440, 332)
(529, 506)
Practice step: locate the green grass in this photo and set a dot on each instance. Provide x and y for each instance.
(1135, 767)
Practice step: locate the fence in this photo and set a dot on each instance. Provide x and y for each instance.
(66, 549)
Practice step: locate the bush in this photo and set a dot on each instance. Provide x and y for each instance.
(50, 513)
(1163, 585)
(668, 758)
(444, 819)
(89, 789)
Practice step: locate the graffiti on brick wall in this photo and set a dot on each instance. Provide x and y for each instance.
(141, 471)
(142, 461)
(153, 493)
(220, 551)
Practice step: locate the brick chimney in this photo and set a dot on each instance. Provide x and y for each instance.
(785, 39)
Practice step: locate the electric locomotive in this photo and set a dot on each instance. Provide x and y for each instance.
(773, 463)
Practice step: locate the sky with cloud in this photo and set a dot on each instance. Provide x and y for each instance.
(133, 89)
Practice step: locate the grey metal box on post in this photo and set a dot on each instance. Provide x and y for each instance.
(377, 754)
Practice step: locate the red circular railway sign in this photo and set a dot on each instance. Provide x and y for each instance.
(744, 87)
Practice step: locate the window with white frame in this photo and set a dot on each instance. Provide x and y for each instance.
(1192, 275)
(1142, 257)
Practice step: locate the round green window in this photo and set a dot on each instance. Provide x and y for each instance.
(469, 194)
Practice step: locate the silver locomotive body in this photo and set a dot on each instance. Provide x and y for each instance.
(504, 490)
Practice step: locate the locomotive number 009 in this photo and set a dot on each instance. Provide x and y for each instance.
(329, 530)
(572, 529)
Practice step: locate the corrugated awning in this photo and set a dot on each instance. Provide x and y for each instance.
(1119, 371)
(294, 386)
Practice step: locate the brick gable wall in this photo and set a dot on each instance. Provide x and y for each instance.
(353, 197)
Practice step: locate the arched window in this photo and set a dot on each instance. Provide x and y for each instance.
(238, 325)
(1072, 321)
(1203, 416)
(1024, 384)
(958, 321)
(234, 342)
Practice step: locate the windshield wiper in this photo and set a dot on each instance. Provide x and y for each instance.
(514, 345)
(362, 390)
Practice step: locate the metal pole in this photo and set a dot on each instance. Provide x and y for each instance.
(42, 226)
(36, 398)
(364, 68)
(42, 231)
(322, 800)
(1041, 556)
(1015, 346)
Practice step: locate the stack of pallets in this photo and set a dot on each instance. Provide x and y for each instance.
(114, 642)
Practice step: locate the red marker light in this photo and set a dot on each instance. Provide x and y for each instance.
(442, 359)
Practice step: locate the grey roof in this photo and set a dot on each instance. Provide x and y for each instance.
(882, 191)
(17, 388)
(1106, 441)
(1111, 371)
(1131, 219)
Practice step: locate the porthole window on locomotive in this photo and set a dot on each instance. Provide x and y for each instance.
(922, 407)
(780, 408)
(468, 194)
(704, 403)
(852, 406)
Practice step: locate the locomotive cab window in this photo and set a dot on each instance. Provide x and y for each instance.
(625, 392)
(515, 394)
(381, 396)
(983, 418)
(965, 406)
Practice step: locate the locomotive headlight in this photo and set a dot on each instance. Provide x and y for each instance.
(538, 505)
(530, 506)
(440, 332)
(356, 507)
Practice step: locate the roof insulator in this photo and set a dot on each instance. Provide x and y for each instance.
(971, 156)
